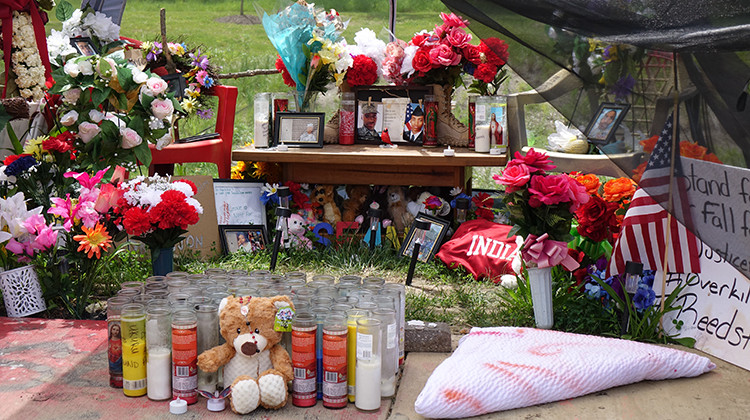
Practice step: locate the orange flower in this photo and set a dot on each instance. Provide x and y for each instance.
(710, 157)
(638, 172)
(618, 189)
(94, 241)
(692, 150)
(591, 182)
(649, 144)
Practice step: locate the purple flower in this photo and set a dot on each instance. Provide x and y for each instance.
(644, 298)
(205, 113)
(154, 52)
(623, 87)
(199, 60)
(19, 165)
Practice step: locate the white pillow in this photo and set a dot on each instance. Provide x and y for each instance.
(502, 368)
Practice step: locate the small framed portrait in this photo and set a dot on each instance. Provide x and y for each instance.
(299, 129)
(601, 129)
(433, 239)
(83, 45)
(242, 238)
(397, 109)
(176, 84)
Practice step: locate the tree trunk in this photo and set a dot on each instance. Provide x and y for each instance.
(242, 7)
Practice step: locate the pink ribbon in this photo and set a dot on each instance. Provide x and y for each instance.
(544, 252)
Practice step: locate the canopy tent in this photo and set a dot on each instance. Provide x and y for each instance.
(638, 52)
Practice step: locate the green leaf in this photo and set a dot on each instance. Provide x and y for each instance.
(17, 147)
(64, 11)
(125, 78)
(138, 125)
(100, 95)
(143, 153)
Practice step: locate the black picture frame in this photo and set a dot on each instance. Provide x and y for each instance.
(176, 84)
(84, 46)
(438, 229)
(604, 135)
(374, 95)
(292, 129)
(231, 236)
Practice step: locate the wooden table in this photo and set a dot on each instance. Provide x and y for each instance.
(361, 164)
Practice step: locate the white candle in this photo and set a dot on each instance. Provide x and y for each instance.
(449, 152)
(388, 386)
(261, 133)
(482, 139)
(159, 373)
(282, 147)
(367, 387)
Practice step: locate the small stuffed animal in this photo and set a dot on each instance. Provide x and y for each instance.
(297, 231)
(255, 364)
(397, 208)
(323, 195)
(353, 205)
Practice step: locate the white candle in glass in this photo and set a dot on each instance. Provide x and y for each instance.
(482, 139)
(159, 373)
(367, 393)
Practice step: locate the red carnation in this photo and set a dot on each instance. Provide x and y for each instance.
(364, 71)
(421, 61)
(485, 72)
(173, 211)
(284, 72)
(495, 50)
(61, 143)
(136, 221)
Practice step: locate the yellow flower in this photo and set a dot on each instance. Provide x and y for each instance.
(94, 241)
(34, 147)
(189, 105)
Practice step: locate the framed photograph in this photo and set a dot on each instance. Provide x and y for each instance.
(433, 240)
(299, 129)
(242, 238)
(176, 84)
(399, 109)
(608, 117)
(83, 45)
(238, 202)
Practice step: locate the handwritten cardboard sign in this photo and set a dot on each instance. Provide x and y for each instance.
(203, 236)
(715, 308)
(238, 202)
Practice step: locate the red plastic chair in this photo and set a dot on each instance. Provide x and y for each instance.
(218, 150)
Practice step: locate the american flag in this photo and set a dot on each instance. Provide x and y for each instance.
(641, 238)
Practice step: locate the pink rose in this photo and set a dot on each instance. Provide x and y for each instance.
(578, 194)
(537, 162)
(458, 37)
(513, 177)
(421, 61)
(549, 190)
(156, 85)
(107, 198)
(162, 108)
(87, 131)
(71, 96)
(441, 30)
(130, 138)
(443, 55)
(395, 49)
(69, 118)
(453, 20)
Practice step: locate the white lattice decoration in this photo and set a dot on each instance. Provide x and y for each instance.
(21, 292)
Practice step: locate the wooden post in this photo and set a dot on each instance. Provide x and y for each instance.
(171, 68)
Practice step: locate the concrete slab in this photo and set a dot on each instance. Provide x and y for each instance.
(57, 369)
(723, 393)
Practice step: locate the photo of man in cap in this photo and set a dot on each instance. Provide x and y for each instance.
(414, 124)
(367, 131)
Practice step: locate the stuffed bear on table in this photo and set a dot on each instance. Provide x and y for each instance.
(255, 364)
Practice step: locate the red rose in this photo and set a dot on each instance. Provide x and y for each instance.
(495, 51)
(549, 190)
(513, 177)
(537, 162)
(364, 71)
(419, 38)
(284, 72)
(596, 218)
(443, 55)
(453, 20)
(578, 194)
(471, 53)
(485, 72)
(421, 61)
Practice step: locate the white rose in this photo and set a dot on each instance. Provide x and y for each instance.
(87, 131)
(71, 96)
(106, 68)
(156, 85)
(87, 69)
(162, 108)
(163, 141)
(130, 138)
(139, 76)
(96, 116)
(72, 69)
(69, 118)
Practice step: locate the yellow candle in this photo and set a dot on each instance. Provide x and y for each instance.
(133, 324)
(351, 348)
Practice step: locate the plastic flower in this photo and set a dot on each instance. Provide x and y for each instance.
(484, 203)
(591, 182)
(618, 189)
(432, 203)
(270, 193)
(644, 298)
(94, 240)
(364, 71)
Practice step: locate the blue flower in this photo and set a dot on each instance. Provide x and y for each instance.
(469, 68)
(19, 165)
(648, 278)
(644, 298)
(462, 195)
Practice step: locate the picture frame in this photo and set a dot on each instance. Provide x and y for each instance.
(390, 111)
(238, 202)
(176, 84)
(83, 45)
(601, 129)
(243, 238)
(434, 238)
(299, 129)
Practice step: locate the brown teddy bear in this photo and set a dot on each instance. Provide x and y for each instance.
(255, 364)
(397, 208)
(324, 196)
(354, 204)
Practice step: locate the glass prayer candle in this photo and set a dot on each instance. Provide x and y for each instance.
(262, 108)
(114, 339)
(133, 322)
(159, 345)
(304, 391)
(430, 121)
(368, 368)
(185, 356)
(346, 118)
(352, 316)
(207, 315)
(388, 350)
(334, 361)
